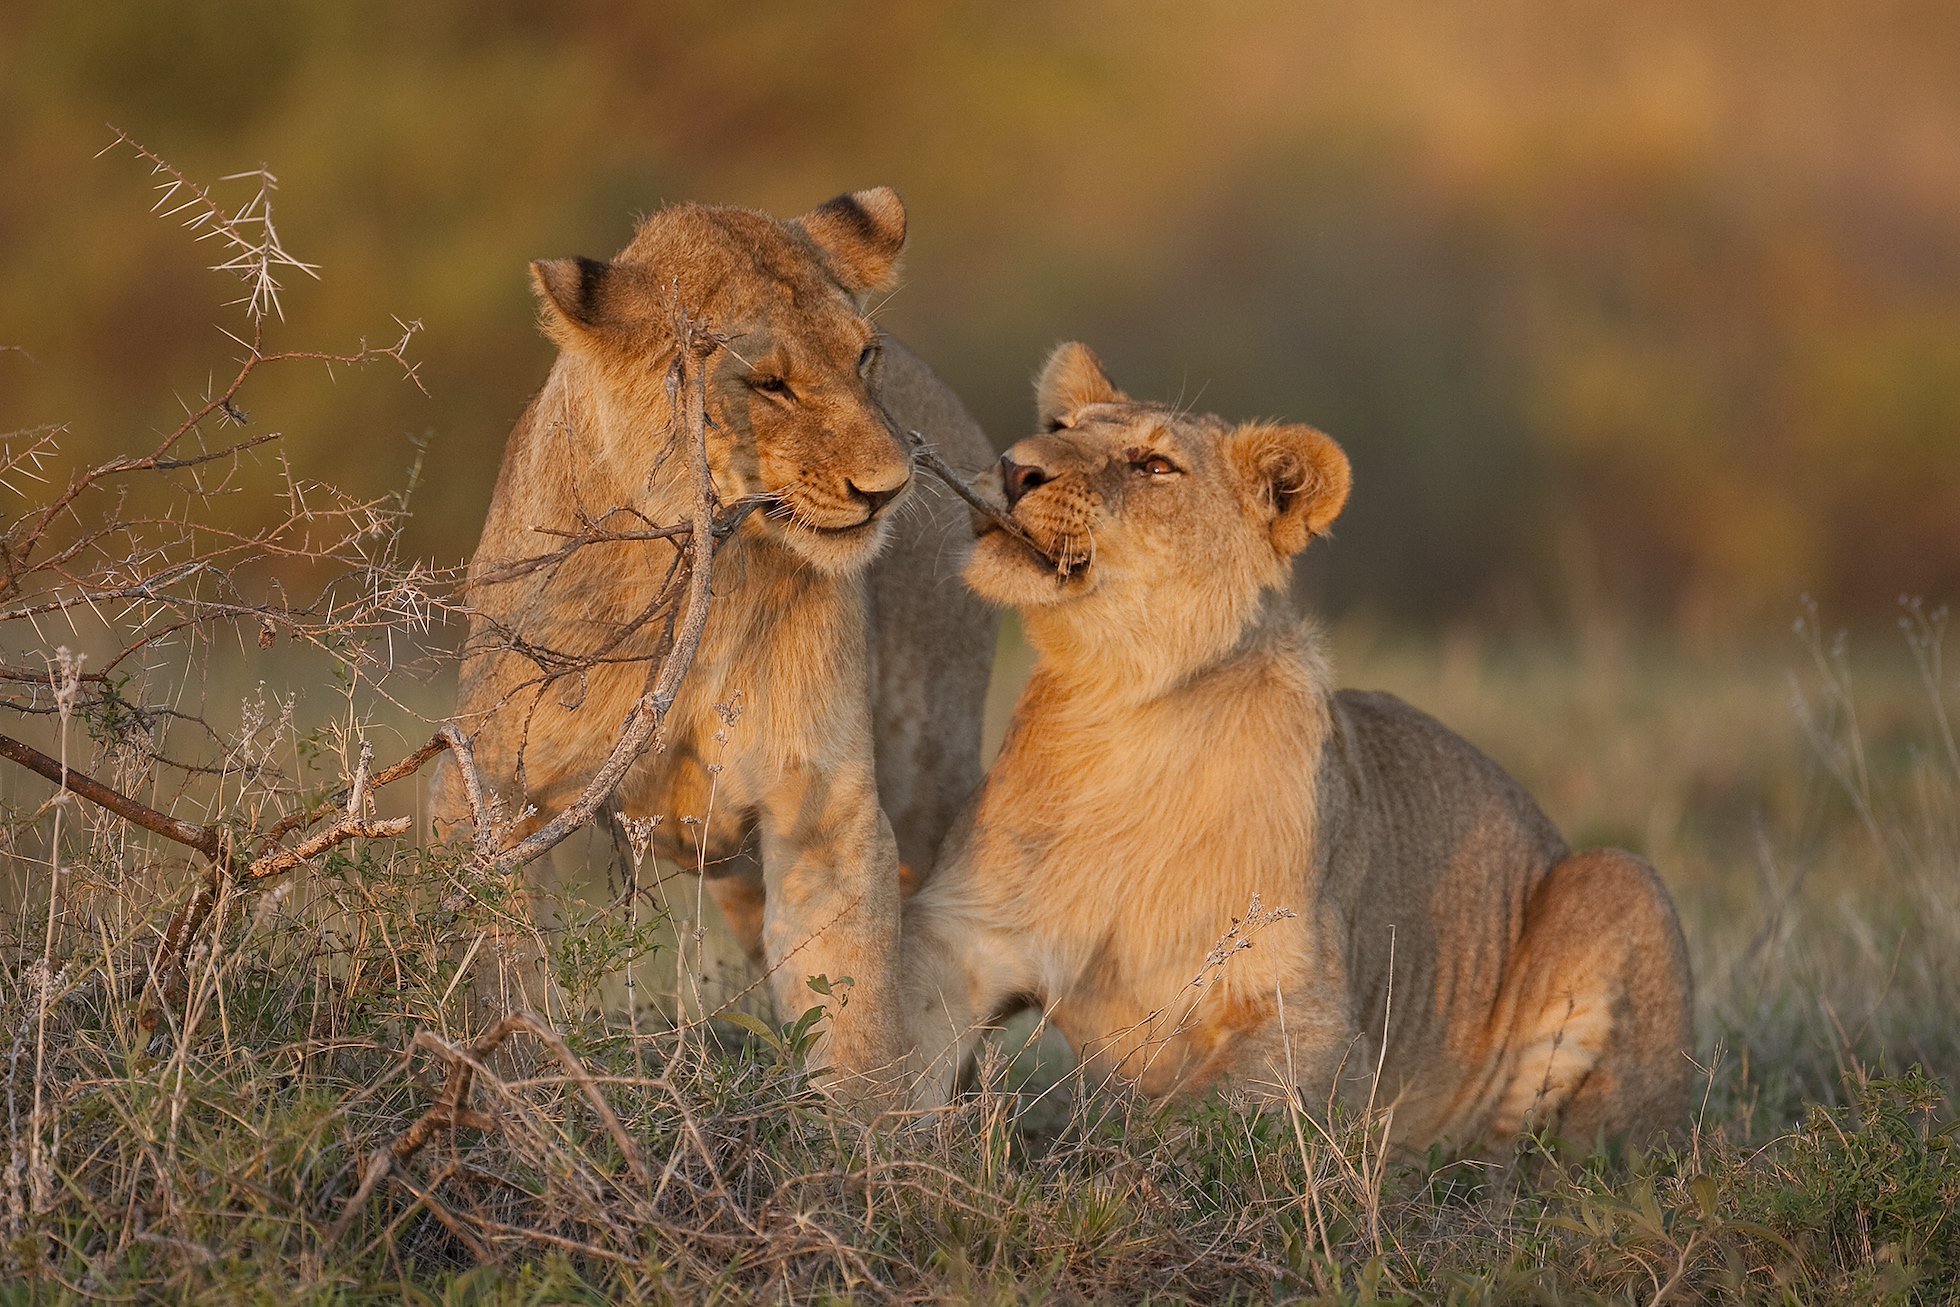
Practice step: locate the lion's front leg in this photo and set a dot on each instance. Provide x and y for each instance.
(830, 923)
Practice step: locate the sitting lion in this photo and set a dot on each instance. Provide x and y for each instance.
(1179, 758)
(811, 652)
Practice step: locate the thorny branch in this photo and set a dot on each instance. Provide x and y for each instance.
(245, 234)
(349, 807)
(687, 398)
(126, 548)
(172, 571)
(102, 556)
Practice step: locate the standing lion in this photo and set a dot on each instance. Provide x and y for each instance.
(812, 652)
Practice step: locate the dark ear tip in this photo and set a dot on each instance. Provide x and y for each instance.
(861, 234)
(572, 286)
(873, 218)
(882, 211)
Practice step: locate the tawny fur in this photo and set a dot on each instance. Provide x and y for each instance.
(1179, 754)
(812, 651)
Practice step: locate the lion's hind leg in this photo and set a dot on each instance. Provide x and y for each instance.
(1599, 999)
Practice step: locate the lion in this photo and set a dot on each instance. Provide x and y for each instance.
(1207, 868)
(829, 728)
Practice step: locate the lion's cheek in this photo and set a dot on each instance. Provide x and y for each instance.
(733, 458)
(779, 460)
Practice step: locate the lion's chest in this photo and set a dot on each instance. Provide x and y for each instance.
(713, 769)
(1157, 838)
(702, 809)
(749, 713)
(1159, 866)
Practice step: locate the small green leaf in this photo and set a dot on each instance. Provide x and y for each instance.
(1703, 1188)
(826, 986)
(754, 1025)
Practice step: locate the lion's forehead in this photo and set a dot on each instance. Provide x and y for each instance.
(694, 232)
(738, 267)
(1119, 431)
(799, 335)
(739, 298)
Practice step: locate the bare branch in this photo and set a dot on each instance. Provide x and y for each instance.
(687, 396)
(446, 738)
(202, 838)
(41, 678)
(103, 556)
(349, 827)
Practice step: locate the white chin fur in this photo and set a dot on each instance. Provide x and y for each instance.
(839, 554)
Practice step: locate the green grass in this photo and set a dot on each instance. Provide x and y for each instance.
(1803, 804)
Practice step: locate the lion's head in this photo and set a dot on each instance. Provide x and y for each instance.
(793, 418)
(1155, 531)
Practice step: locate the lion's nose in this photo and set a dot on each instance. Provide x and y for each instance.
(1016, 479)
(874, 500)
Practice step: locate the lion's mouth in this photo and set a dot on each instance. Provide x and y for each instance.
(840, 532)
(1065, 558)
(1069, 569)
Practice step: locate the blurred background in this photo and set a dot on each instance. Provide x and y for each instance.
(1624, 313)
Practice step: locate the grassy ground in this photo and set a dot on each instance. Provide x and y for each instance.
(1801, 798)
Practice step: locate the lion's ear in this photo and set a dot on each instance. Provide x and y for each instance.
(861, 236)
(1294, 477)
(570, 290)
(1072, 378)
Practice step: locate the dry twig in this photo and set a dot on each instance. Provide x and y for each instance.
(925, 454)
(451, 1110)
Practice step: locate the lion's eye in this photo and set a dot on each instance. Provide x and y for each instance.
(771, 386)
(868, 358)
(1155, 465)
